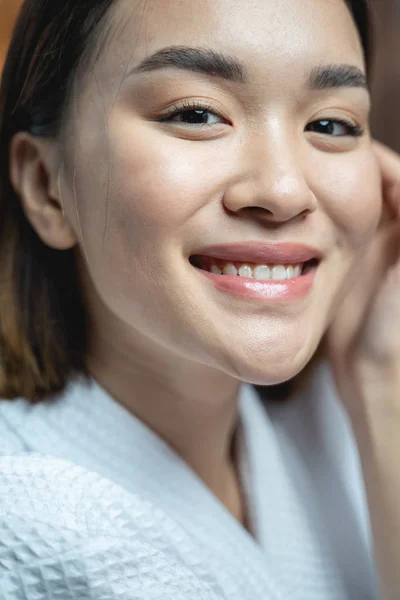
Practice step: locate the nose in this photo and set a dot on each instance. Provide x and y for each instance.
(272, 184)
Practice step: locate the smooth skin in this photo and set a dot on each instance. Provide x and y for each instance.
(136, 192)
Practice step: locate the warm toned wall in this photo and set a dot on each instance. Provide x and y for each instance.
(8, 12)
(386, 81)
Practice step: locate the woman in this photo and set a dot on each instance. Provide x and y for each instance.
(186, 201)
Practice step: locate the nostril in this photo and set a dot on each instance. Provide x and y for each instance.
(259, 210)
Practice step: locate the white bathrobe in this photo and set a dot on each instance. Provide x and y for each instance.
(94, 506)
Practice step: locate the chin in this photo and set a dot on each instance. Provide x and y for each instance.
(272, 369)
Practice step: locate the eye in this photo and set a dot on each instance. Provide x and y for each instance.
(335, 128)
(193, 113)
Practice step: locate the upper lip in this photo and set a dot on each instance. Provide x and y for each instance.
(262, 253)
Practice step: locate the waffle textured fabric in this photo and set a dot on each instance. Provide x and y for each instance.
(95, 506)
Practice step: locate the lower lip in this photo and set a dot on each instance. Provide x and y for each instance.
(271, 291)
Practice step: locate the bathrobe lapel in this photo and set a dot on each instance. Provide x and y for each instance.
(288, 558)
(87, 427)
(306, 493)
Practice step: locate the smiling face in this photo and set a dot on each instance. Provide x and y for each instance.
(181, 170)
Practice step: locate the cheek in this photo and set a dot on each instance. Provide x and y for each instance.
(163, 183)
(156, 188)
(127, 177)
(351, 196)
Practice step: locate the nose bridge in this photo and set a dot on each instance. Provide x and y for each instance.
(275, 155)
(273, 173)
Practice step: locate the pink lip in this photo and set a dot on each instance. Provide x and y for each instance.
(254, 252)
(271, 291)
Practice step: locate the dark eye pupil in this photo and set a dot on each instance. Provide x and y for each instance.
(194, 116)
(322, 127)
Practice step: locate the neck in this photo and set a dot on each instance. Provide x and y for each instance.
(193, 408)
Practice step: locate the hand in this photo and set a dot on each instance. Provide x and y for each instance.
(364, 347)
(364, 338)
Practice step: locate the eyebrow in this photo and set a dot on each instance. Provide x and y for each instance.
(334, 76)
(198, 60)
(211, 63)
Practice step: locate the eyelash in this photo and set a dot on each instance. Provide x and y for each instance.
(190, 105)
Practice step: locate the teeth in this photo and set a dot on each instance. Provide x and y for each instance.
(290, 272)
(246, 271)
(230, 269)
(279, 273)
(262, 273)
(216, 270)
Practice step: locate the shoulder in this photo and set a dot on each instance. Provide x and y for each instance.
(23, 423)
(72, 532)
(12, 413)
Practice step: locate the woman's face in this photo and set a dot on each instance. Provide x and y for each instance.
(185, 166)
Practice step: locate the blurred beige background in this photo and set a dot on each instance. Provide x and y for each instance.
(8, 12)
(386, 72)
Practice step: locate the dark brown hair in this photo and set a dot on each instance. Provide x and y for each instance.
(43, 322)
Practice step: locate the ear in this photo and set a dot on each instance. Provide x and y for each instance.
(33, 173)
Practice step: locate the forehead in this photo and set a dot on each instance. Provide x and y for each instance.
(263, 33)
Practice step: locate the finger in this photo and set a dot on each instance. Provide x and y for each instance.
(389, 165)
(371, 271)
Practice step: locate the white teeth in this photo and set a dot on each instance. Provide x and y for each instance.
(246, 271)
(216, 270)
(289, 272)
(278, 273)
(262, 273)
(230, 269)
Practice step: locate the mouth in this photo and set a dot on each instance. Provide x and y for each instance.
(253, 271)
(261, 272)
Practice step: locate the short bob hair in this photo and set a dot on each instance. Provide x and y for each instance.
(43, 320)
